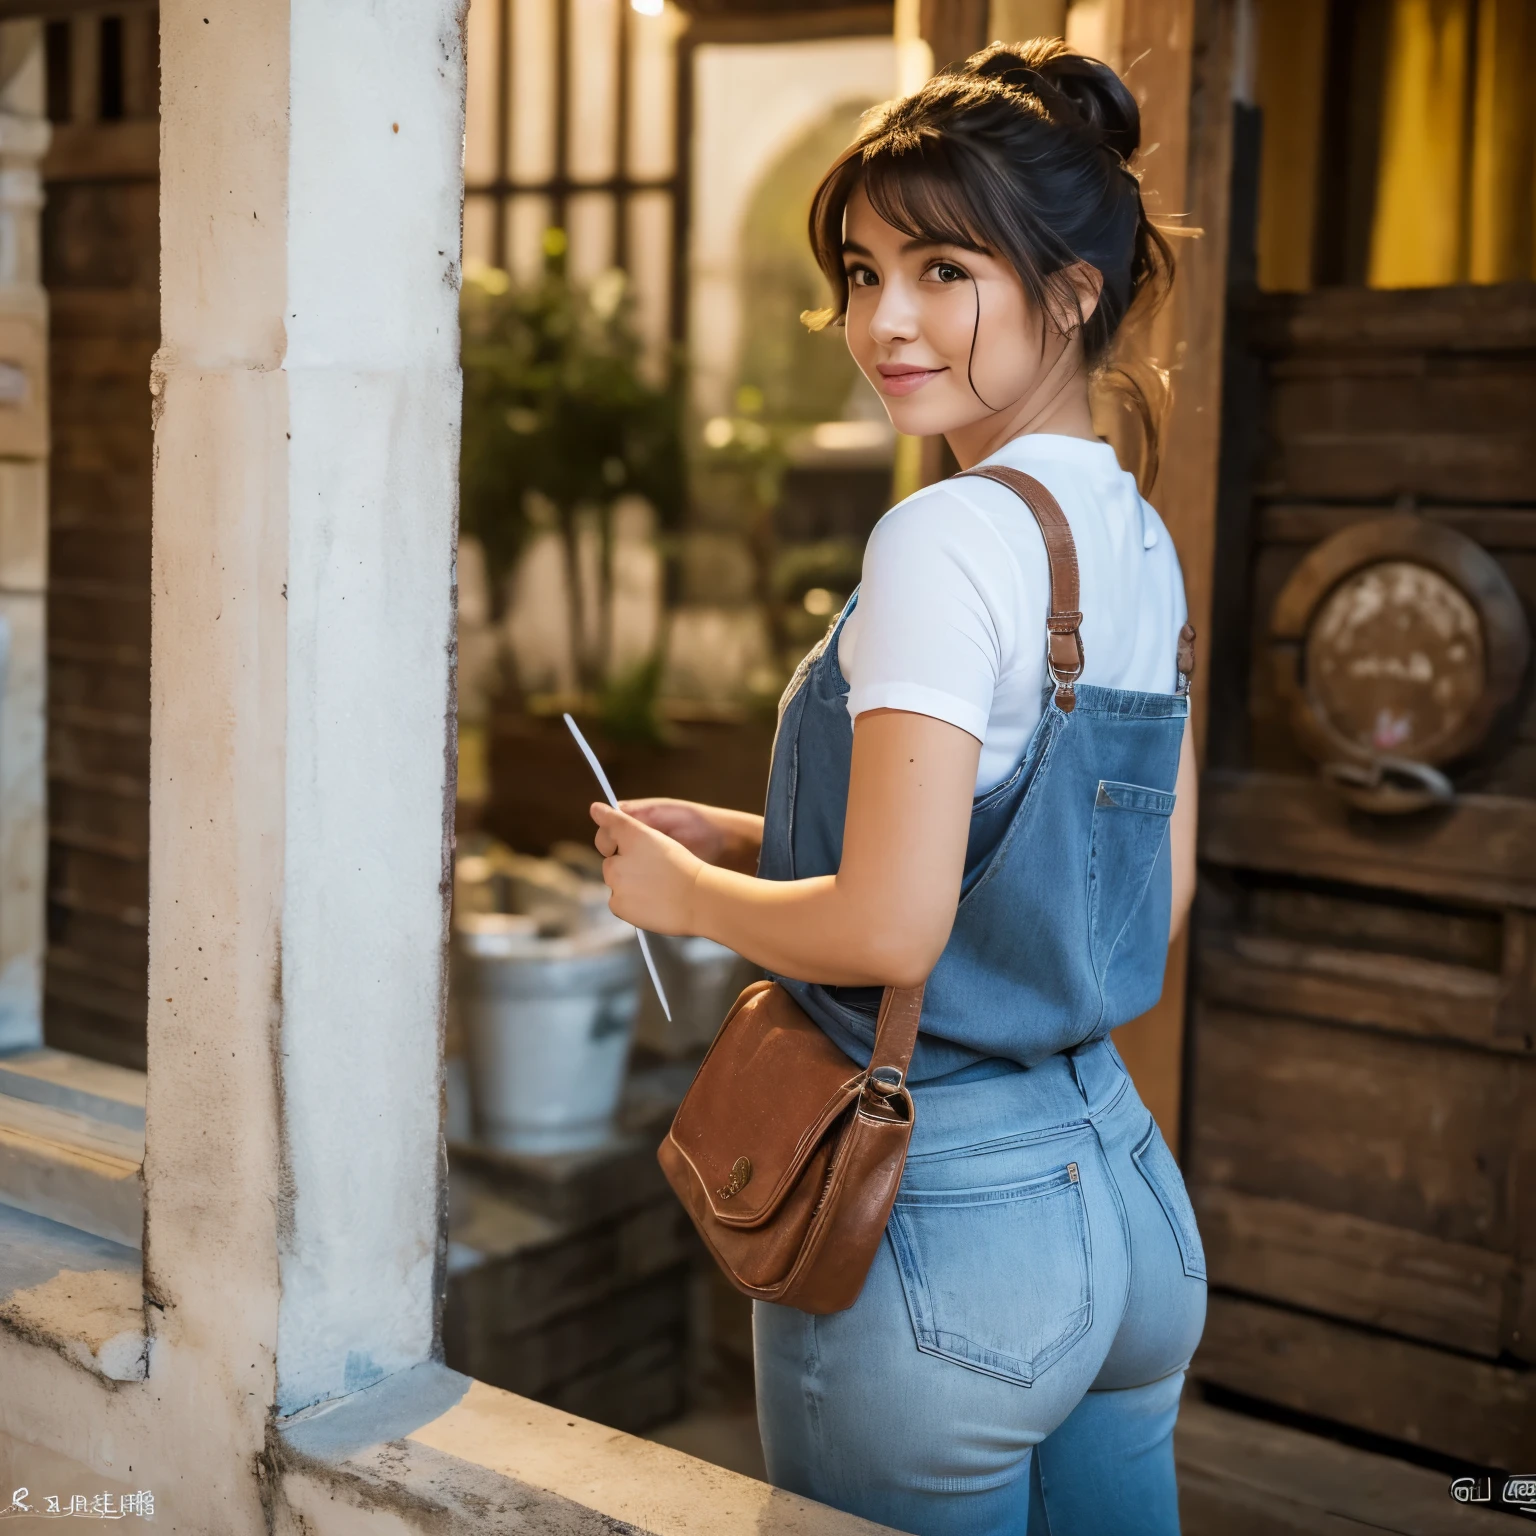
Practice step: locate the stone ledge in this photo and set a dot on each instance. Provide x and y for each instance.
(78, 1295)
(76, 1083)
(72, 1168)
(430, 1444)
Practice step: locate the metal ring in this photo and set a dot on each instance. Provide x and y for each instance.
(885, 1081)
(1066, 680)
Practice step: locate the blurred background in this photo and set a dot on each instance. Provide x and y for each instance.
(667, 483)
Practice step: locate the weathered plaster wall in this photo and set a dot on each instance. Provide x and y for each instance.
(218, 749)
(372, 372)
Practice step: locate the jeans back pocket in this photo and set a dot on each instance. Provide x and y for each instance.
(1161, 1172)
(997, 1279)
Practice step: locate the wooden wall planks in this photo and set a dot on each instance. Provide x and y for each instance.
(1375, 323)
(1241, 1476)
(1406, 1132)
(1397, 993)
(1389, 1386)
(1482, 849)
(1363, 1109)
(1357, 1269)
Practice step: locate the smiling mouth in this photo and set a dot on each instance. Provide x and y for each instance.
(901, 379)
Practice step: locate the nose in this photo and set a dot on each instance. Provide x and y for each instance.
(895, 317)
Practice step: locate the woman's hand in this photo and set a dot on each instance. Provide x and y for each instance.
(651, 877)
(712, 833)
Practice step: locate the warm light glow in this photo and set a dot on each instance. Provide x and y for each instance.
(819, 602)
(844, 436)
(718, 432)
(648, 7)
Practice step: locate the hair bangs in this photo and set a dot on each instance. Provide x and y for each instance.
(913, 191)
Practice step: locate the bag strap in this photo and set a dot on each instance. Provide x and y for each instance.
(895, 1038)
(1064, 649)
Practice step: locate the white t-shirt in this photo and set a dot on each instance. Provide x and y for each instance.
(950, 620)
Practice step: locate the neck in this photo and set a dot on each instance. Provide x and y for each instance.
(1058, 403)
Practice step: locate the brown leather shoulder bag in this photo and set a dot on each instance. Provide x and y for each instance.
(785, 1152)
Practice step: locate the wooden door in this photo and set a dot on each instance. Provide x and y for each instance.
(1361, 1139)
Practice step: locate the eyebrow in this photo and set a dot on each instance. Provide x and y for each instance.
(916, 243)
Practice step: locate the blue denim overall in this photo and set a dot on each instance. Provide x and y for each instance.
(1016, 1356)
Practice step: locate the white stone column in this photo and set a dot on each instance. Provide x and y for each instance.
(24, 134)
(307, 402)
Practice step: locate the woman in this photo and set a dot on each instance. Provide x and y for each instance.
(938, 809)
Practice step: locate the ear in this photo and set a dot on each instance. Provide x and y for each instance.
(1075, 293)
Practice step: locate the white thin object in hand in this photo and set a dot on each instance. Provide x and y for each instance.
(613, 800)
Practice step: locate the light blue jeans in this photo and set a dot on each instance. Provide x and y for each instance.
(1015, 1359)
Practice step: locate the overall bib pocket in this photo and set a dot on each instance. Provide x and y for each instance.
(1161, 1172)
(998, 1279)
(1130, 824)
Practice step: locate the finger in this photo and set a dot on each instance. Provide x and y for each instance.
(608, 820)
(617, 827)
(616, 821)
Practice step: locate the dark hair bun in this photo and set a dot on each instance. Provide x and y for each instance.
(1062, 77)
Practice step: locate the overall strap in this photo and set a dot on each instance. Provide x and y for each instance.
(1064, 651)
(1186, 660)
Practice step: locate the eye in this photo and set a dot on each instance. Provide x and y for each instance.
(947, 272)
(862, 277)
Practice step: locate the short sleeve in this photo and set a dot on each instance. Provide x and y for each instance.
(934, 614)
(1159, 547)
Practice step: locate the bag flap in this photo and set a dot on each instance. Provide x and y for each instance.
(765, 1095)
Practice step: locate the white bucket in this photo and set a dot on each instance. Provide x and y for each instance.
(548, 1024)
(702, 979)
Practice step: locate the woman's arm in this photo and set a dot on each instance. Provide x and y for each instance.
(883, 919)
(1181, 834)
(713, 833)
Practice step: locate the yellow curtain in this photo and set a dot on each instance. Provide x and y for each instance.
(1417, 236)
(1455, 184)
(1500, 236)
(1454, 188)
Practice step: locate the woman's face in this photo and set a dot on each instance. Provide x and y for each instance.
(945, 334)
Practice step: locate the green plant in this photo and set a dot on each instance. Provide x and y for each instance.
(558, 412)
(629, 706)
(755, 454)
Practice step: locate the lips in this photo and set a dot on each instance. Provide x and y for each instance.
(904, 378)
